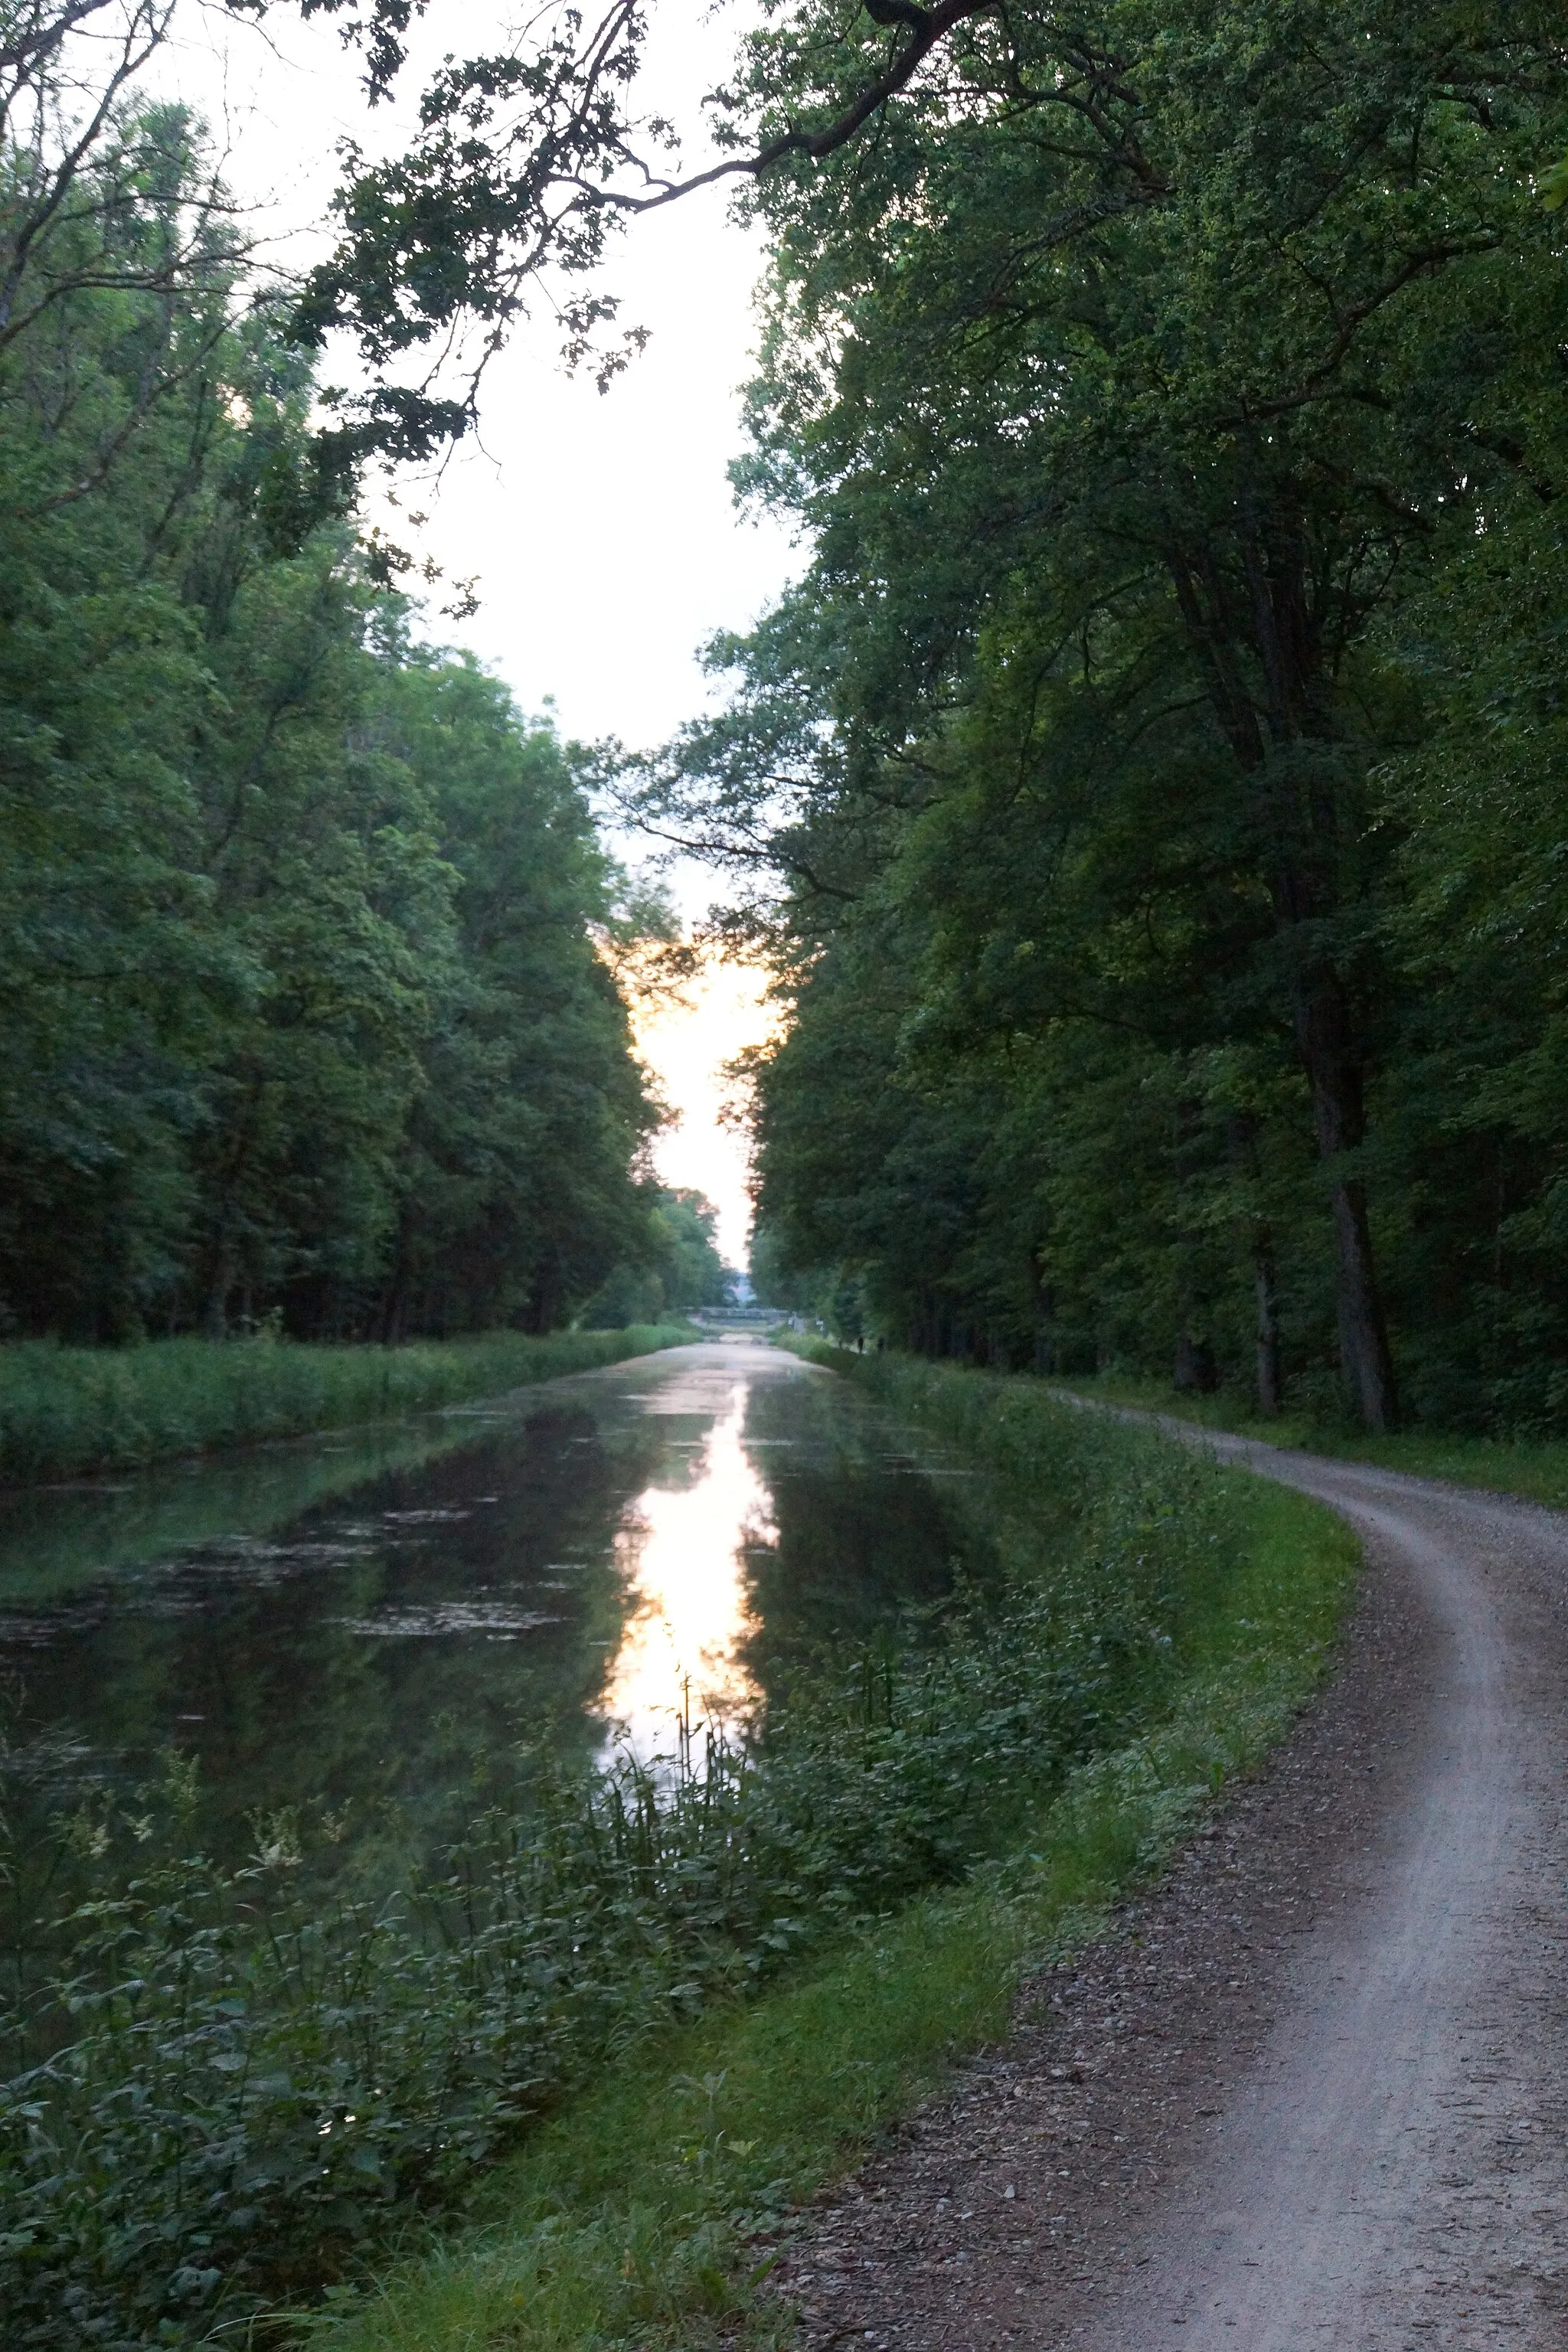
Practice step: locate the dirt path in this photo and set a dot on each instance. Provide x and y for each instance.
(1316, 2093)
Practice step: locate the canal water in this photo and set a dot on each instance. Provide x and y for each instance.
(391, 1630)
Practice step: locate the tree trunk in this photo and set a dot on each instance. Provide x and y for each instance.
(1277, 717)
(1363, 1342)
(1270, 1376)
(1333, 1073)
(1241, 1138)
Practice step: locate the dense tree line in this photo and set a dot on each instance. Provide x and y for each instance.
(307, 1020)
(1163, 751)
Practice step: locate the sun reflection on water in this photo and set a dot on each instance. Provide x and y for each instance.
(690, 1613)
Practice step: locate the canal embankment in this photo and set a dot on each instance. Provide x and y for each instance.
(1163, 1621)
(1502, 1461)
(1312, 2087)
(69, 1413)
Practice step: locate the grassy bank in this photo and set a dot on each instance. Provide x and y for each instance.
(69, 1412)
(630, 2217)
(1534, 1468)
(622, 2034)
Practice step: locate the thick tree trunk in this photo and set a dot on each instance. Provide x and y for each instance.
(1259, 638)
(1333, 1073)
(1270, 1382)
(1364, 1356)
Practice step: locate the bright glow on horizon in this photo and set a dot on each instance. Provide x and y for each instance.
(686, 1046)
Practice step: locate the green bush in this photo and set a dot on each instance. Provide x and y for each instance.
(232, 2091)
(65, 1410)
(634, 2215)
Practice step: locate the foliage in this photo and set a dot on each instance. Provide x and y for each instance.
(1158, 754)
(523, 164)
(632, 2216)
(234, 2089)
(307, 1020)
(515, 1183)
(682, 1272)
(63, 1411)
(1149, 387)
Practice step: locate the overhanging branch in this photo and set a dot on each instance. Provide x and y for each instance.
(932, 26)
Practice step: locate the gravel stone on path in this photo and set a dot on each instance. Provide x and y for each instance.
(1314, 2090)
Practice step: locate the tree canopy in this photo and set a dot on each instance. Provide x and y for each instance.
(1148, 791)
(1157, 390)
(309, 1019)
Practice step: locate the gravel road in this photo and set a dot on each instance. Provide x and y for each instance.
(1315, 2092)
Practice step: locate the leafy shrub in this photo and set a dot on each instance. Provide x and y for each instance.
(235, 2091)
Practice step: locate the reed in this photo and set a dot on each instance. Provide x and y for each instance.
(69, 1412)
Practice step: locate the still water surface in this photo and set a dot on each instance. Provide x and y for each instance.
(392, 1629)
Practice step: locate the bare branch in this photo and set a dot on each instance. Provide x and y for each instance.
(816, 145)
(29, 47)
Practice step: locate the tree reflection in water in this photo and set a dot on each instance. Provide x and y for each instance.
(401, 1629)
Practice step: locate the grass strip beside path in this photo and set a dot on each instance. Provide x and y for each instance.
(633, 2217)
(1536, 1468)
(65, 1411)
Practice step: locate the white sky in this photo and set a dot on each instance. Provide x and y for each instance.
(601, 526)
(687, 1046)
(601, 529)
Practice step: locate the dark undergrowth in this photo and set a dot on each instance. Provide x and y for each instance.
(624, 2032)
(66, 1412)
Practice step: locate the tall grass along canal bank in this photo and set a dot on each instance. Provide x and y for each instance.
(67, 1411)
(228, 2094)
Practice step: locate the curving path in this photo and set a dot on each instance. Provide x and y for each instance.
(1393, 2171)
(1316, 2095)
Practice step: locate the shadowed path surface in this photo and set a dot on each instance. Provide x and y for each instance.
(1315, 2092)
(1395, 2166)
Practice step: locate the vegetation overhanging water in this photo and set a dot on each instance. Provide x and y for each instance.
(239, 2086)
